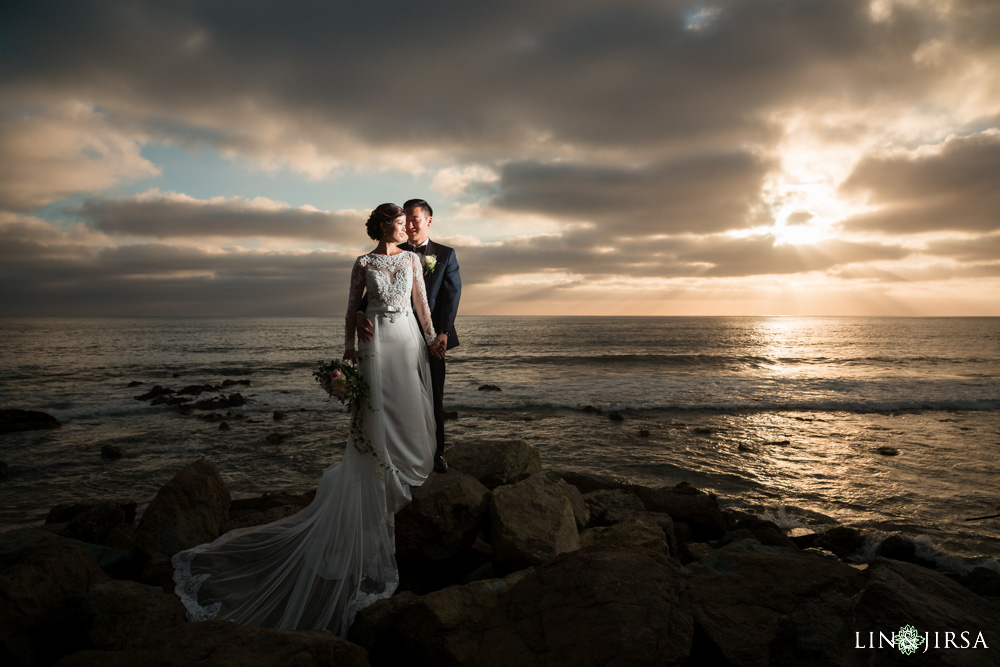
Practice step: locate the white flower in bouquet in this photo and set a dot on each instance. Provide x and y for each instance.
(430, 263)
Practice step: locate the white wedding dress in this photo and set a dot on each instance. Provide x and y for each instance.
(316, 569)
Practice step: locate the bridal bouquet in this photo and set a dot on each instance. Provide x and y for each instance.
(344, 381)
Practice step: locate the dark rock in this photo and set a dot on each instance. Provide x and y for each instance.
(42, 593)
(530, 522)
(230, 383)
(489, 387)
(843, 541)
(443, 519)
(746, 594)
(275, 439)
(580, 510)
(766, 532)
(196, 389)
(176, 375)
(189, 510)
(170, 400)
(629, 533)
(120, 614)
(155, 392)
(96, 523)
(616, 417)
(703, 430)
(888, 451)
(899, 547)
(13, 543)
(604, 500)
(780, 443)
(234, 400)
(685, 503)
(226, 644)
(587, 482)
(596, 606)
(270, 500)
(278, 415)
(223, 426)
(643, 433)
(440, 628)
(26, 420)
(590, 409)
(743, 447)
(66, 512)
(134, 383)
(495, 462)
(982, 581)
(111, 452)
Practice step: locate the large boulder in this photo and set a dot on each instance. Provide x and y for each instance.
(226, 644)
(631, 533)
(530, 522)
(41, 595)
(120, 614)
(95, 524)
(443, 519)
(596, 606)
(685, 503)
(26, 420)
(440, 628)
(603, 501)
(495, 462)
(189, 510)
(746, 595)
(13, 543)
(898, 593)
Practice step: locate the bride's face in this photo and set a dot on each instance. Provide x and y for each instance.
(396, 232)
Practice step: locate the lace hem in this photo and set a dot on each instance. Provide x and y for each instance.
(188, 585)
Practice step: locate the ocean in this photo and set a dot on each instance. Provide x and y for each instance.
(887, 424)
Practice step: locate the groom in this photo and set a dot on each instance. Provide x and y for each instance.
(444, 289)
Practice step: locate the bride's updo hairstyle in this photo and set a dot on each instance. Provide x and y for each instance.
(382, 216)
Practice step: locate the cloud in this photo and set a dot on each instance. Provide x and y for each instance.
(703, 193)
(68, 150)
(949, 186)
(171, 215)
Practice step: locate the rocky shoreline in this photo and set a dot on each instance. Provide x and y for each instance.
(501, 562)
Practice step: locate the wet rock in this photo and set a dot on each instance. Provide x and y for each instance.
(843, 541)
(42, 593)
(156, 392)
(12, 421)
(587, 482)
(223, 426)
(746, 595)
(887, 451)
(685, 503)
(278, 415)
(602, 501)
(643, 433)
(616, 417)
(222, 643)
(442, 627)
(66, 512)
(443, 519)
(766, 532)
(229, 383)
(275, 439)
(902, 548)
(96, 523)
(629, 533)
(530, 522)
(134, 383)
(196, 389)
(234, 400)
(591, 410)
(189, 510)
(703, 430)
(489, 387)
(495, 462)
(111, 452)
(120, 614)
(172, 401)
(596, 606)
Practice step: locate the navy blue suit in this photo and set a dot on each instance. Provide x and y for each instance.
(444, 290)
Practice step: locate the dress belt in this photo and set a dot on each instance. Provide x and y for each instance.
(392, 311)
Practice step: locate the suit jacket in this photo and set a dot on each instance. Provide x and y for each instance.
(444, 288)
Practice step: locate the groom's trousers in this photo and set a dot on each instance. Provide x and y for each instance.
(437, 383)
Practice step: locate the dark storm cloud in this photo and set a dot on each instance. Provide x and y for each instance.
(704, 193)
(472, 78)
(181, 217)
(957, 188)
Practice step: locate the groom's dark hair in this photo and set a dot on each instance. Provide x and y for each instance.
(421, 203)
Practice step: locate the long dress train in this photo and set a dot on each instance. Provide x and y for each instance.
(317, 568)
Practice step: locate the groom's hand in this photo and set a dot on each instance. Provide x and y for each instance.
(364, 327)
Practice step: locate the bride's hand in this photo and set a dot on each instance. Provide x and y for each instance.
(348, 355)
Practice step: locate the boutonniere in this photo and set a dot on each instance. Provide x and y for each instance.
(430, 263)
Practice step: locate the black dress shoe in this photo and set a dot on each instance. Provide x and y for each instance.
(440, 465)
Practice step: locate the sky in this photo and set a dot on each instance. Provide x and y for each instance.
(616, 157)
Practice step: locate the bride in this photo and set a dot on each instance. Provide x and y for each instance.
(316, 569)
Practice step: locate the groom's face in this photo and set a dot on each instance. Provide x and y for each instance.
(417, 223)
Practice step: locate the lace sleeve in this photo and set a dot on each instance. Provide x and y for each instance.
(420, 301)
(353, 303)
